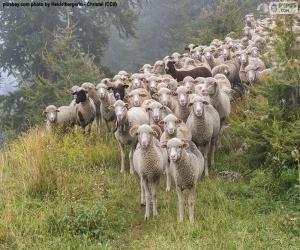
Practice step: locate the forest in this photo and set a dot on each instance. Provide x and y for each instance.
(64, 190)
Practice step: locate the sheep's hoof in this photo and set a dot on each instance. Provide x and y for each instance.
(168, 189)
(143, 204)
(146, 217)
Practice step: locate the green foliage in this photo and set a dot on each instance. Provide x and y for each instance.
(266, 135)
(66, 66)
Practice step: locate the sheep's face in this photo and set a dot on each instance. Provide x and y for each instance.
(165, 97)
(226, 53)
(255, 53)
(175, 148)
(198, 107)
(183, 95)
(190, 86)
(210, 87)
(152, 85)
(159, 68)
(208, 55)
(244, 58)
(137, 98)
(73, 91)
(51, 113)
(81, 96)
(170, 124)
(136, 83)
(119, 91)
(102, 92)
(121, 111)
(251, 75)
(156, 112)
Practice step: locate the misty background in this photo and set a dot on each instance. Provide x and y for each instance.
(43, 53)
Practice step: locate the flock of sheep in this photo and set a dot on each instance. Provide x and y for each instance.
(172, 114)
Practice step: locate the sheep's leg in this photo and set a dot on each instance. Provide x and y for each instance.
(180, 203)
(98, 123)
(205, 151)
(192, 204)
(147, 194)
(143, 202)
(212, 151)
(131, 159)
(154, 198)
(168, 185)
(122, 149)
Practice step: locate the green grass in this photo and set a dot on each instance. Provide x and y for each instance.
(67, 193)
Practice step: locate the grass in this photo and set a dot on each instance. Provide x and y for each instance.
(67, 193)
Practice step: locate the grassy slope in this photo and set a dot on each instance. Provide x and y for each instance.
(67, 193)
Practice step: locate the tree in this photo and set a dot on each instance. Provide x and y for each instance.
(67, 64)
(25, 32)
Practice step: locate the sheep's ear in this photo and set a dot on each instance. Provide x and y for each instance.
(189, 92)
(126, 105)
(163, 144)
(163, 108)
(110, 88)
(143, 95)
(154, 95)
(161, 123)
(125, 85)
(148, 109)
(205, 103)
(133, 130)
(57, 110)
(191, 104)
(156, 131)
(186, 144)
(174, 93)
(178, 121)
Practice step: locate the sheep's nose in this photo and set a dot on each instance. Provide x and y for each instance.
(156, 118)
(171, 131)
(173, 156)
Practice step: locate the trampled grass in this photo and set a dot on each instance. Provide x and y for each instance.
(67, 193)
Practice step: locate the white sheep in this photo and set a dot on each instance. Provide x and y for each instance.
(126, 119)
(204, 124)
(186, 167)
(60, 118)
(182, 109)
(149, 161)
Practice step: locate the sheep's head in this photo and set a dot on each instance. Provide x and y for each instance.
(73, 90)
(175, 148)
(182, 94)
(210, 87)
(208, 53)
(137, 96)
(81, 95)
(170, 123)
(51, 113)
(102, 90)
(88, 86)
(146, 69)
(162, 85)
(254, 52)
(251, 73)
(226, 53)
(188, 82)
(118, 87)
(244, 58)
(145, 133)
(120, 110)
(164, 95)
(170, 65)
(155, 110)
(159, 67)
(198, 105)
(152, 83)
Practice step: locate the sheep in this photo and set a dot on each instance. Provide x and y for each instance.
(136, 82)
(60, 118)
(224, 84)
(73, 92)
(186, 168)
(149, 161)
(156, 112)
(179, 75)
(107, 100)
(85, 109)
(92, 93)
(189, 83)
(147, 68)
(218, 98)
(126, 119)
(207, 53)
(165, 97)
(174, 127)
(254, 74)
(119, 89)
(182, 109)
(159, 68)
(138, 96)
(204, 124)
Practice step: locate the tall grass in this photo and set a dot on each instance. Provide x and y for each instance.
(66, 192)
